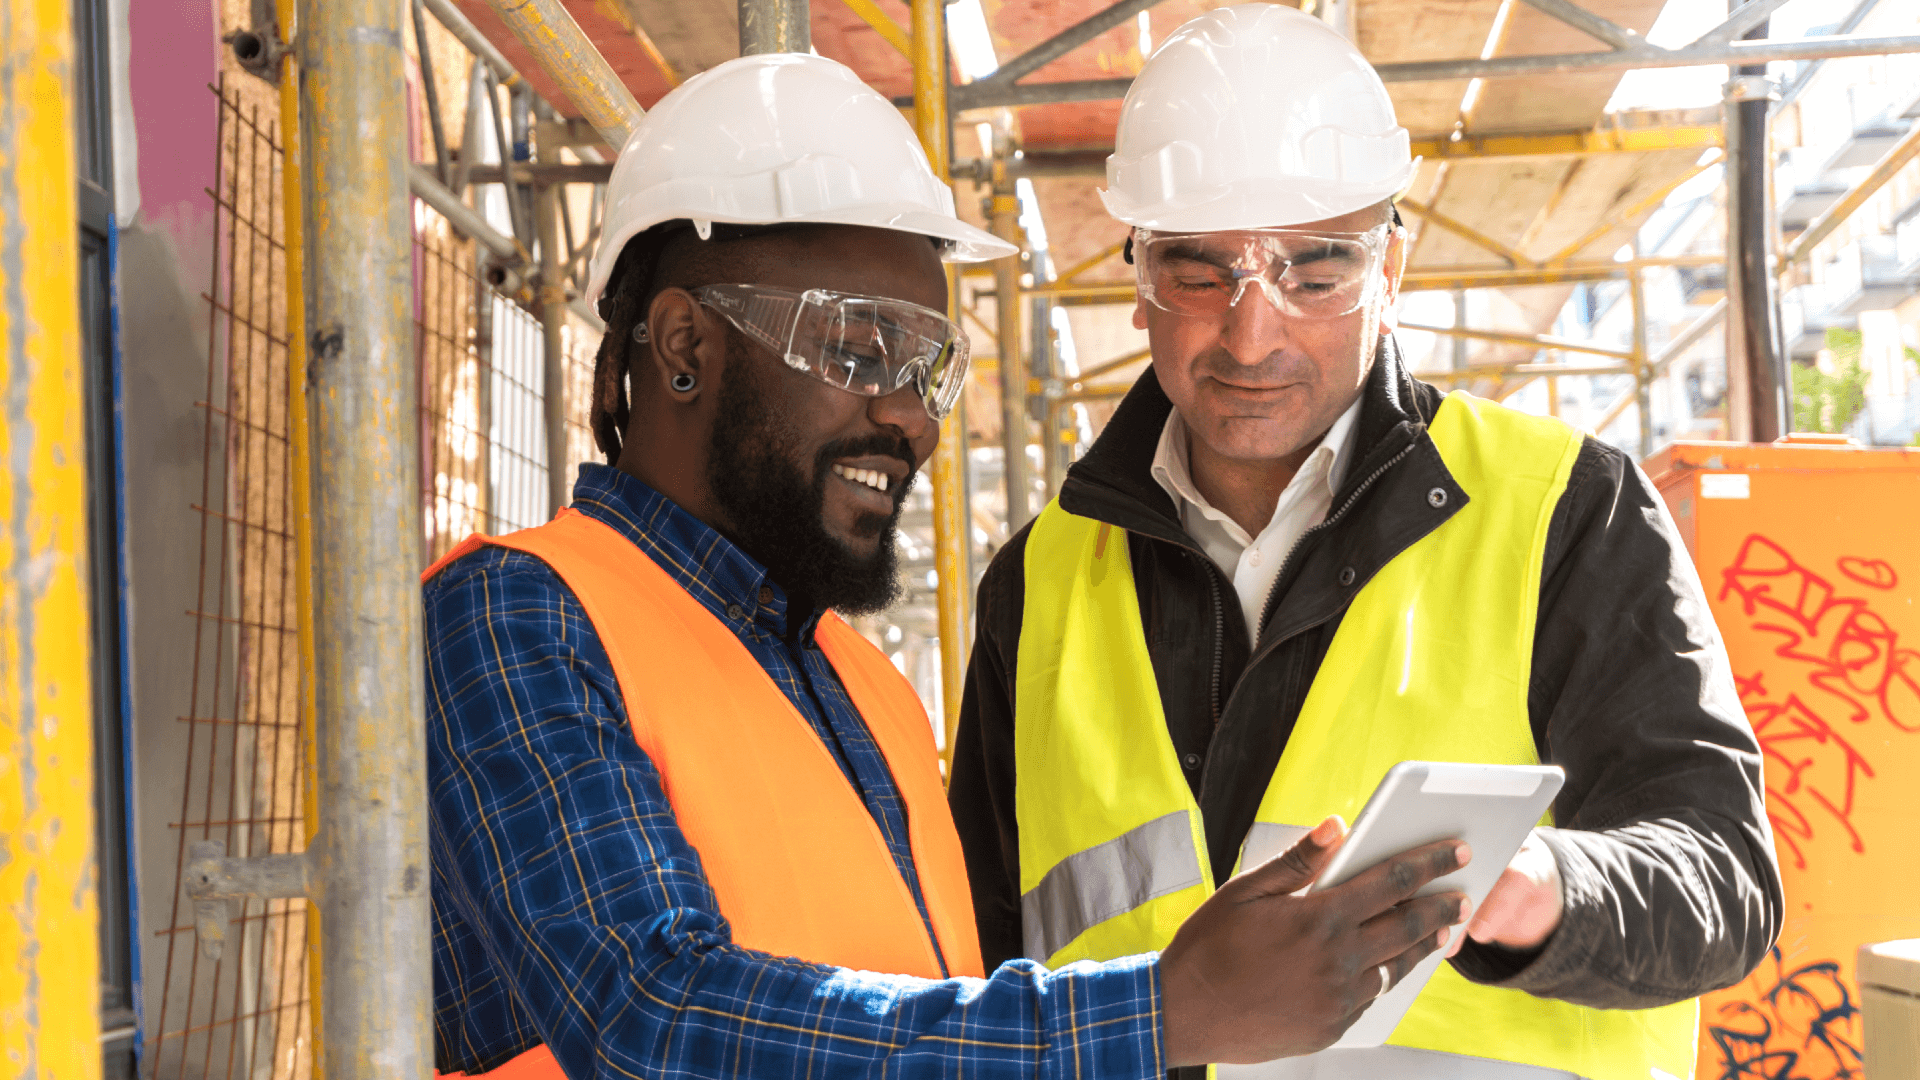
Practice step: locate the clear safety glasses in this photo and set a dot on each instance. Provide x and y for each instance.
(1304, 275)
(867, 345)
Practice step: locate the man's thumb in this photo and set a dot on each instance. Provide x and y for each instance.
(1295, 868)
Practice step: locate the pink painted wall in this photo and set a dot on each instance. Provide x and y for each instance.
(174, 51)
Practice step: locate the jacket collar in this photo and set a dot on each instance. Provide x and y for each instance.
(1113, 482)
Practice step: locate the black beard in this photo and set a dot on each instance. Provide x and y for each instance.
(777, 514)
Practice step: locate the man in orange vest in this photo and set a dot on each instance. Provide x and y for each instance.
(684, 820)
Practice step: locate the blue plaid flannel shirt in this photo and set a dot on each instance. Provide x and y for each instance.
(568, 907)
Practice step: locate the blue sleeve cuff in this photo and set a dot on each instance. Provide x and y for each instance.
(1102, 1020)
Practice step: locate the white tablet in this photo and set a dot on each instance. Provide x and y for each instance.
(1491, 807)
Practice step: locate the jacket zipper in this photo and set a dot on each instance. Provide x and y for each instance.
(1273, 593)
(1219, 639)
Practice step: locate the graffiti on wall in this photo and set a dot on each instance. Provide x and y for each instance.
(1824, 699)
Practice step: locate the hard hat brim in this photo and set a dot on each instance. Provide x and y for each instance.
(1254, 204)
(968, 244)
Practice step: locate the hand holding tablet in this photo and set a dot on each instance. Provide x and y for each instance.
(1492, 807)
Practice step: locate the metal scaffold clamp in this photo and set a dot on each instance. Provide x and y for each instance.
(259, 48)
(1752, 88)
(212, 880)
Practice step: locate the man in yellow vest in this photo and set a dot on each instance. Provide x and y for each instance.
(1285, 565)
(685, 822)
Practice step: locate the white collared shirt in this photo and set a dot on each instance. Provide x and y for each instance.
(1253, 563)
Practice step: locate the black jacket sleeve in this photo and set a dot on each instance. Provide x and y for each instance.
(980, 792)
(1671, 885)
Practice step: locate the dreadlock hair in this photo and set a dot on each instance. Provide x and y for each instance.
(661, 257)
(654, 260)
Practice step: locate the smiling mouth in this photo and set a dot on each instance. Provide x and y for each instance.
(873, 478)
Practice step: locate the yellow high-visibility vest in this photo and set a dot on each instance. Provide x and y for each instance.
(1430, 663)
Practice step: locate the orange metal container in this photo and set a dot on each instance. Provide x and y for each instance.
(1810, 553)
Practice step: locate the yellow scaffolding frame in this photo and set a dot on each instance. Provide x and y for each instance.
(49, 979)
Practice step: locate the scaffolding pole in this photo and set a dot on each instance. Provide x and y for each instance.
(1642, 370)
(1757, 381)
(1005, 219)
(947, 469)
(563, 51)
(368, 861)
(774, 26)
(553, 321)
(49, 979)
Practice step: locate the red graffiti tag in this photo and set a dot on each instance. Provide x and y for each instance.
(1844, 667)
(1873, 573)
(1849, 651)
(1807, 762)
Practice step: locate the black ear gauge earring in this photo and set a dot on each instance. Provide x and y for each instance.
(682, 383)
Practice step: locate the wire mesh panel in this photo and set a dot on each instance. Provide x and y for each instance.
(245, 1014)
(482, 414)
(455, 387)
(483, 469)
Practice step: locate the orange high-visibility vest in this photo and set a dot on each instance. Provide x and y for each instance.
(795, 860)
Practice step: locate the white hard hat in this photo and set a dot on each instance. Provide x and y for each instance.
(1253, 116)
(773, 138)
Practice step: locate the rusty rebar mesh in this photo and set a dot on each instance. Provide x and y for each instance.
(246, 1014)
(483, 469)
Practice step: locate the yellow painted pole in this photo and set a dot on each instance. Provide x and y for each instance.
(49, 923)
(946, 470)
(300, 483)
(563, 51)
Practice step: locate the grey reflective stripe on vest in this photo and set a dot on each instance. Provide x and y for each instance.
(1390, 1063)
(1265, 840)
(1089, 887)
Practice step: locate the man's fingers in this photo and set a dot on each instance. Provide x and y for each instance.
(1377, 889)
(1367, 984)
(1295, 868)
(1405, 925)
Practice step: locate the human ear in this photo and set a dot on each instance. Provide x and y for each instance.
(681, 344)
(1394, 266)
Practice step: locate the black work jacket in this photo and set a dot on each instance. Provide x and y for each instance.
(1671, 885)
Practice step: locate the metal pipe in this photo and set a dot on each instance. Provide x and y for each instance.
(544, 172)
(1122, 292)
(1005, 220)
(469, 131)
(300, 487)
(1889, 165)
(774, 26)
(1537, 341)
(49, 977)
(1756, 364)
(476, 42)
(1747, 20)
(1792, 91)
(986, 94)
(421, 182)
(1641, 371)
(430, 90)
(553, 319)
(1691, 336)
(947, 468)
(516, 212)
(1524, 144)
(1054, 433)
(571, 61)
(1066, 41)
(1602, 30)
(370, 853)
